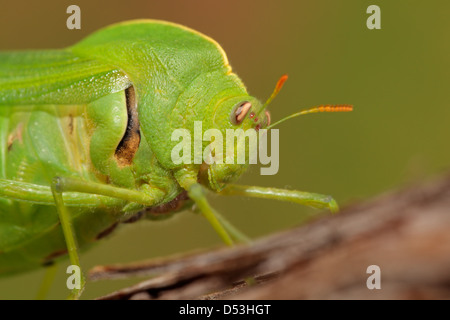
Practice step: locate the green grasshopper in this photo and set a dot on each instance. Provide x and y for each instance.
(85, 138)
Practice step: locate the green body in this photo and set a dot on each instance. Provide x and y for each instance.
(85, 139)
(64, 113)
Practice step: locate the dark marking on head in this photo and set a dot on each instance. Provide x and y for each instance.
(129, 144)
(106, 232)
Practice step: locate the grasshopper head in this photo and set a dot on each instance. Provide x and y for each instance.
(239, 120)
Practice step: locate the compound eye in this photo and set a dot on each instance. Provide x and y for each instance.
(239, 112)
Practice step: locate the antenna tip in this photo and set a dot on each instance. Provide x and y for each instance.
(335, 108)
(281, 82)
(277, 89)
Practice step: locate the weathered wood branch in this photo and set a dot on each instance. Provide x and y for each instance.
(405, 233)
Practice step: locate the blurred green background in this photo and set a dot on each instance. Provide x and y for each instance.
(397, 78)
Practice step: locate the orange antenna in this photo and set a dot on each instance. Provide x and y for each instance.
(321, 108)
(277, 89)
